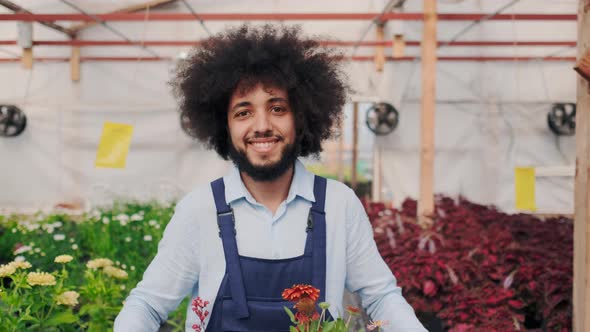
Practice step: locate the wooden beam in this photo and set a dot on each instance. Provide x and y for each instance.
(355, 148)
(18, 9)
(341, 152)
(380, 50)
(399, 46)
(377, 173)
(426, 200)
(129, 9)
(75, 64)
(581, 290)
(27, 59)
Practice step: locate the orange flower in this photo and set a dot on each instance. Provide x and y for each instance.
(297, 292)
(352, 310)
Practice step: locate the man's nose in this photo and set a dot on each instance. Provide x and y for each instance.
(262, 122)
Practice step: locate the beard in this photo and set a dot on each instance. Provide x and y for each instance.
(263, 173)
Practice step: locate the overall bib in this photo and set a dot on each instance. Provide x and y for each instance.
(249, 298)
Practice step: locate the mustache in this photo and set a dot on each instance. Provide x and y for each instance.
(266, 134)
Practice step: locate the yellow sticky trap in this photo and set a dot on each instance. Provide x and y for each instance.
(114, 145)
(524, 183)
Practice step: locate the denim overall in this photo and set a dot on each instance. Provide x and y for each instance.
(249, 298)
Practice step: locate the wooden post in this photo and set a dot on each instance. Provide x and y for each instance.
(341, 153)
(27, 59)
(355, 139)
(377, 172)
(426, 201)
(75, 64)
(581, 290)
(380, 50)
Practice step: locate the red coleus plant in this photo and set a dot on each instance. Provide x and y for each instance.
(478, 268)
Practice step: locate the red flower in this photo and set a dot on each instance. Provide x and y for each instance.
(352, 310)
(297, 292)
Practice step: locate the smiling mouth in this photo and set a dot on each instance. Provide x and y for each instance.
(263, 145)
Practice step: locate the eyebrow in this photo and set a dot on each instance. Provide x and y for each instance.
(270, 101)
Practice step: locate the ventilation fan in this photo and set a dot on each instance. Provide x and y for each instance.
(562, 119)
(382, 118)
(12, 121)
(185, 124)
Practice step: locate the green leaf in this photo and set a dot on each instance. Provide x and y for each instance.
(290, 313)
(292, 329)
(328, 326)
(66, 317)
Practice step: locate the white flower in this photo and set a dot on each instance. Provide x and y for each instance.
(99, 263)
(22, 249)
(59, 237)
(106, 220)
(123, 266)
(19, 259)
(152, 222)
(123, 287)
(57, 224)
(74, 246)
(50, 230)
(147, 238)
(132, 268)
(136, 217)
(42, 254)
(122, 217)
(128, 239)
(14, 230)
(157, 226)
(37, 250)
(71, 240)
(69, 298)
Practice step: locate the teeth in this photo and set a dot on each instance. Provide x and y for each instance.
(263, 145)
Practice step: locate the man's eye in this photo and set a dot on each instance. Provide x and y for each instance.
(277, 109)
(242, 114)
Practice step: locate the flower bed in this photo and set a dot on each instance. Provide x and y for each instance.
(93, 260)
(478, 268)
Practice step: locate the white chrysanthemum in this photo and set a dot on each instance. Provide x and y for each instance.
(74, 246)
(69, 298)
(59, 237)
(99, 263)
(152, 222)
(20, 265)
(22, 249)
(115, 272)
(136, 217)
(147, 238)
(106, 220)
(40, 278)
(62, 259)
(128, 239)
(6, 270)
(19, 259)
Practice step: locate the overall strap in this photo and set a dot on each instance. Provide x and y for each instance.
(319, 236)
(227, 232)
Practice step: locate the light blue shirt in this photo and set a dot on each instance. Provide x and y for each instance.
(190, 258)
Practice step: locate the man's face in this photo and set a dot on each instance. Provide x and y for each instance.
(262, 131)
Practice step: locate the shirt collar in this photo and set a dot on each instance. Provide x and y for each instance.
(301, 185)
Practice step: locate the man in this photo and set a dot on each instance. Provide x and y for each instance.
(263, 97)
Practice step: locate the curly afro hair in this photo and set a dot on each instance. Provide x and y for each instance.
(246, 56)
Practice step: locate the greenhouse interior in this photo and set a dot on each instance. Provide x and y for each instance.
(282, 165)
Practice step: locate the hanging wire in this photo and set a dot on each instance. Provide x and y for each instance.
(113, 30)
(190, 8)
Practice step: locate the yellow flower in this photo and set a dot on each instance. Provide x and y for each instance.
(40, 278)
(115, 272)
(99, 263)
(20, 265)
(69, 298)
(376, 324)
(6, 270)
(62, 259)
